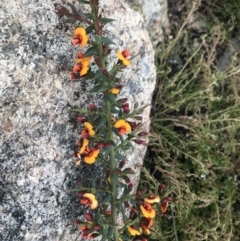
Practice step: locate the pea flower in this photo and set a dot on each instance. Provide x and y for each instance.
(89, 200)
(152, 199)
(82, 66)
(165, 204)
(133, 231)
(80, 37)
(84, 143)
(122, 56)
(115, 91)
(147, 210)
(90, 155)
(88, 130)
(145, 224)
(122, 126)
(140, 239)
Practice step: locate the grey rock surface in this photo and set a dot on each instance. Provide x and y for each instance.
(227, 57)
(37, 131)
(155, 13)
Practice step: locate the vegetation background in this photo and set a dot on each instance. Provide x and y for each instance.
(195, 133)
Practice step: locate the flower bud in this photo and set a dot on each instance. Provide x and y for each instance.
(122, 163)
(79, 184)
(80, 119)
(94, 235)
(76, 222)
(109, 51)
(169, 199)
(126, 179)
(79, 55)
(123, 100)
(107, 172)
(125, 53)
(130, 187)
(139, 142)
(96, 227)
(133, 213)
(75, 41)
(134, 125)
(108, 213)
(80, 194)
(100, 145)
(126, 105)
(88, 217)
(140, 239)
(138, 117)
(76, 68)
(105, 72)
(96, 59)
(92, 106)
(126, 110)
(84, 236)
(129, 170)
(73, 76)
(161, 189)
(108, 144)
(117, 172)
(138, 193)
(143, 133)
(126, 204)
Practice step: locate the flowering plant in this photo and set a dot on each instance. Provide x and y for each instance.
(107, 132)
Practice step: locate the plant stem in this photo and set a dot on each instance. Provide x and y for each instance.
(112, 168)
(112, 162)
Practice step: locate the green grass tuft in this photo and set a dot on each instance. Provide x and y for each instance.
(195, 131)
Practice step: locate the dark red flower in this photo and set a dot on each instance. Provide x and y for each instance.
(122, 163)
(139, 142)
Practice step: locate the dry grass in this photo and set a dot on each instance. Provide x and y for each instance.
(195, 132)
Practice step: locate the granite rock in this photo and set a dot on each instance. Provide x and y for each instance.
(155, 13)
(38, 131)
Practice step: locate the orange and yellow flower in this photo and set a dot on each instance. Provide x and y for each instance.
(84, 144)
(123, 57)
(164, 206)
(145, 224)
(133, 231)
(90, 155)
(89, 200)
(82, 66)
(123, 127)
(80, 37)
(87, 131)
(147, 210)
(152, 199)
(115, 91)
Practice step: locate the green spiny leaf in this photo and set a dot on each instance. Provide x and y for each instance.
(90, 52)
(96, 88)
(111, 97)
(106, 198)
(101, 123)
(106, 20)
(89, 29)
(89, 16)
(83, 1)
(107, 41)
